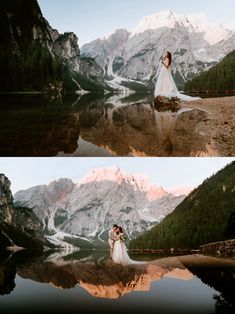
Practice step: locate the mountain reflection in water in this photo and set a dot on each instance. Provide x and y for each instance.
(96, 125)
(202, 277)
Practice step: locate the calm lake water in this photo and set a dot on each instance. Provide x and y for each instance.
(94, 125)
(86, 282)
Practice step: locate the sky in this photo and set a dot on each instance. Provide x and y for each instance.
(91, 19)
(167, 172)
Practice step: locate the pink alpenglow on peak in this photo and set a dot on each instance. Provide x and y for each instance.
(155, 193)
(182, 190)
(115, 174)
(112, 173)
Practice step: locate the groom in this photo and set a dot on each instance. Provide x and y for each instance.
(112, 238)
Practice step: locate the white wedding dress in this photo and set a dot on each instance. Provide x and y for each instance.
(120, 255)
(166, 87)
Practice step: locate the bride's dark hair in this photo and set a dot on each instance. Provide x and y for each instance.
(120, 230)
(169, 56)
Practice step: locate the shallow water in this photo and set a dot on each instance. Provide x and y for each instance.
(96, 125)
(86, 282)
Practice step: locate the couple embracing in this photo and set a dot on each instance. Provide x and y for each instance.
(118, 250)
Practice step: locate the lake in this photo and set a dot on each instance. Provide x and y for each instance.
(96, 125)
(87, 282)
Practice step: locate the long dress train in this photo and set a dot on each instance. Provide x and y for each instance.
(166, 87)
(120, 255)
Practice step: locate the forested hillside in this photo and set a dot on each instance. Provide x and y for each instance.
(220, 77)
(206, 215)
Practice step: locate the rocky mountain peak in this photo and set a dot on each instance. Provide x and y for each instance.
(198, 23)
(67, 45)
(104, 196)
(112, 173)
(60, 188)
(61, 182)
(165, 18)
(5, 184)
(120, 34)
(115, 174)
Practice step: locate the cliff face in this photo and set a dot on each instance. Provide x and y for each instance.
(6, 199)
(85, 73)
(18, 226)
(22, 22)
(66, 47)
(36, 56)
(26, 58)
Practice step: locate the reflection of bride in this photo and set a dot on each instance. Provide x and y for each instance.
(120, 255)
(165, 85)
(165, 122)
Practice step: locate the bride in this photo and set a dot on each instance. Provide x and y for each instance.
(165, 85)
(120, 255)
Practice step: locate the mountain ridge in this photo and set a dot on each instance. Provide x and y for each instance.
(195, 22)
(196, 45)
(88, 208)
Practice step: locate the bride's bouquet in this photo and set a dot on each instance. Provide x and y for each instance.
(120, 237)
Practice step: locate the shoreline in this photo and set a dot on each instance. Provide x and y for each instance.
(219, 125)
(23, 93)
(194, 260)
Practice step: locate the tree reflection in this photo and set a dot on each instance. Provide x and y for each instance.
(222, 305)
(7, 279)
